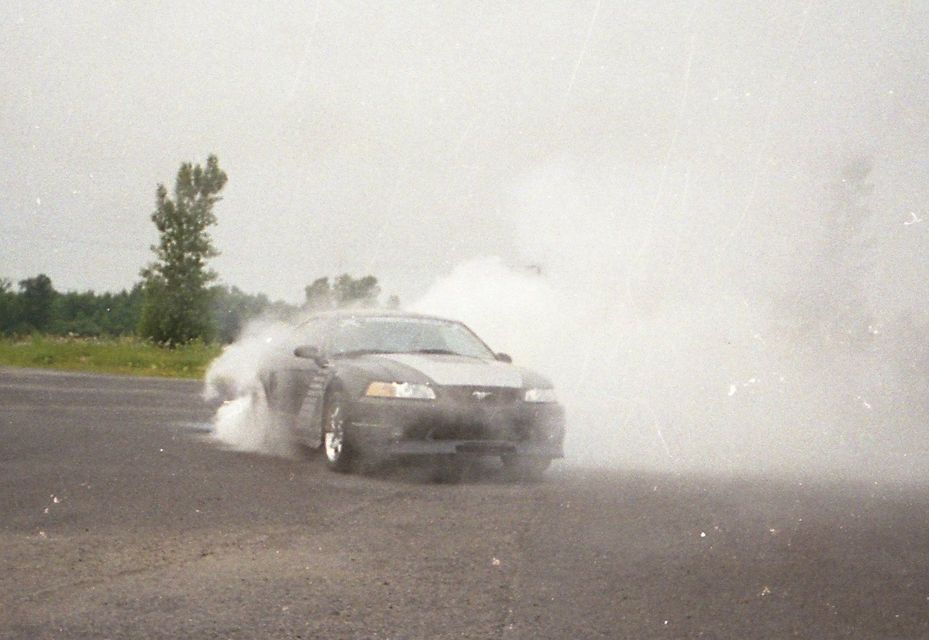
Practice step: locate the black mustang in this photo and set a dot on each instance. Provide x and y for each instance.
(376, 384)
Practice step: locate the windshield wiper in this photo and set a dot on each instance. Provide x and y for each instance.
(358, 352)
(441, 352)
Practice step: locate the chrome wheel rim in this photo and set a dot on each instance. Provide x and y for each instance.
(335, 434)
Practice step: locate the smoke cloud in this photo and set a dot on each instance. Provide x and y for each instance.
(681, 336)
(706, 223)
(684, 329)
(243, 421)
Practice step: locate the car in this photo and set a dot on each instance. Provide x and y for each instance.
(370, 385)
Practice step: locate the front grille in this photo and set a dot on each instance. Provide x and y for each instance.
(482, 396)
(469, 426)
(459, 430)
(492, 414)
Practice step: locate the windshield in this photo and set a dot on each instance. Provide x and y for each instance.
(405, 335)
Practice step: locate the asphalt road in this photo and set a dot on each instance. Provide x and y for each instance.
(120, 518)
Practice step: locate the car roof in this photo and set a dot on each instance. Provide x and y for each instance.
(374, 313)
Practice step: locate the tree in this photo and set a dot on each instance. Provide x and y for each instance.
(318, 295)
(830, 296)
(362, 292)
(835, 350)
(36, 297)
(9, 307)
(177, 301)
(96, 314)
(232, 308)
(346, 291)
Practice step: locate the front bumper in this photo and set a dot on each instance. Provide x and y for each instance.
(468, 447)
(420, 427)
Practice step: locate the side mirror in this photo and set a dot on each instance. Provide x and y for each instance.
(311, 353)
(503, 357)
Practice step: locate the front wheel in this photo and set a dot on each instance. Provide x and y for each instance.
(339, 453)
(525, 468)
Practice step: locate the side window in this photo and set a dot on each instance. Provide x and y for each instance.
(312, 332)
(349, 335)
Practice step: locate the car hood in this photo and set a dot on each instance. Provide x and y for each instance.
(447, 370)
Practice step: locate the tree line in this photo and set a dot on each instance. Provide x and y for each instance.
(176, 301)
(35, 306)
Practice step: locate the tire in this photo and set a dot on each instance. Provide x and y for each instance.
(525, 468)
(340, 456)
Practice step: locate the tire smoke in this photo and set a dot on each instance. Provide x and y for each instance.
(243, 421)
(725, 346)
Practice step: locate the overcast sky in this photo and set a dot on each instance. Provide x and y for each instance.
(400, 139)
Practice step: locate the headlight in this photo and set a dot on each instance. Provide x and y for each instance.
(400, 390)
(540, 395)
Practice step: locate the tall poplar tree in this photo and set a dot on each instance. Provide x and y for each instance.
(177, 300)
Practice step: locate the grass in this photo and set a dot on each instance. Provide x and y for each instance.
(125, 356)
